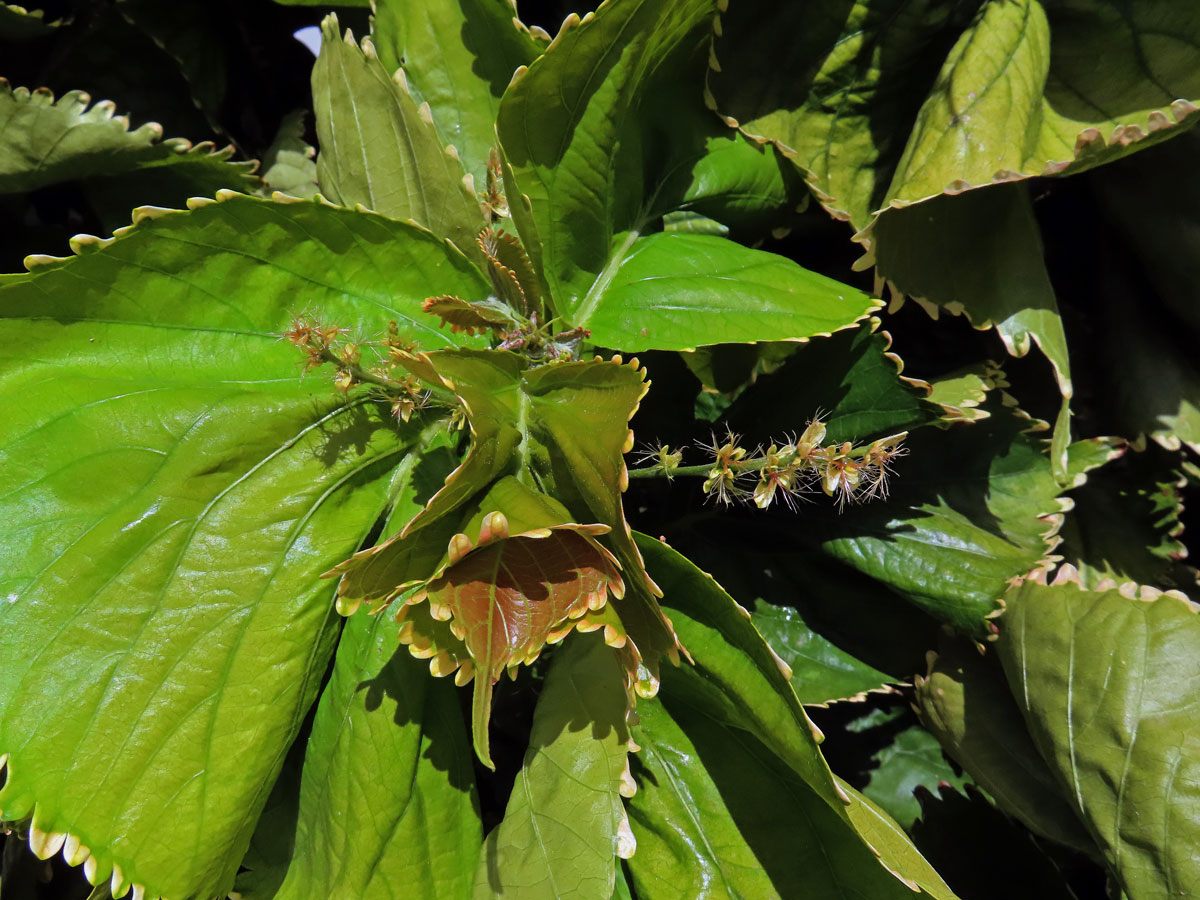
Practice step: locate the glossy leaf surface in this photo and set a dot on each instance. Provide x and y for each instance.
(564, 427)
(681, 291)
(172, 470)
(387, 797)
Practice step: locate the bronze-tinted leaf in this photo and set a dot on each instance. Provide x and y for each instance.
(470, 318)
(507, 597)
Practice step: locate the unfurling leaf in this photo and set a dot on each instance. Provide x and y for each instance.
(506, 597)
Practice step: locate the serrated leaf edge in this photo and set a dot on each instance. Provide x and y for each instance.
(102, 111)
(98, 867)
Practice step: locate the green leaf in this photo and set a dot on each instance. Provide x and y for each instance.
(964, 701)
(1020, 95)
(980, 254)
(834, 85)
(459, 56)
(726, 176)
(20, 24)
(719, 292)
(737, 678)
(388, 790)
(181, 491)
(387, 801)
(379, 148)
(288, 165)
(1108, 686)
(506, 596)
(565, 824)
(821, 670)
(911, 759)
(739, 687)
(716, 815)
(572, 130)
(851, 379)
(961, 392)
(47, 141)
(265, 864)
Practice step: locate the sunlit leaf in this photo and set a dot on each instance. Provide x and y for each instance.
(459, 57)
(380, 149)
(835, 85)
(181, 491)
(564, 426)
(675, 291)
(1020, 94)
(387, 800)
(565, 825)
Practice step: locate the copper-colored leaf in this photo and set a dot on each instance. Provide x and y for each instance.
(470, 318)
(505, 598)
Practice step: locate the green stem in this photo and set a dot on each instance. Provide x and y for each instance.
(754, 464)
(362, 375)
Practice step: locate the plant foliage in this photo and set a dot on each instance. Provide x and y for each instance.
(331, 398)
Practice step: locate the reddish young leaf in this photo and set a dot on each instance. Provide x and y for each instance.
(469, 318)
(504, 598)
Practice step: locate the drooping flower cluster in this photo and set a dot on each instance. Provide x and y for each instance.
(321, 344)
(786, 470)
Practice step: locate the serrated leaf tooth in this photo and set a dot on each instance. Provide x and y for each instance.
(139, 892)
(442, 664)
(96, 871)
(73, 851)
(346, 606)
(465, 672)
(1066, 573)
(458, 629)
(1128, 590)
(614, 638)
(3, 761)
(783, 667)
(425, 113)
(460, 545)
(627, 787)
(494, 527)
(45, 844)
(626, 842)
(441, 612)
(119, 887)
